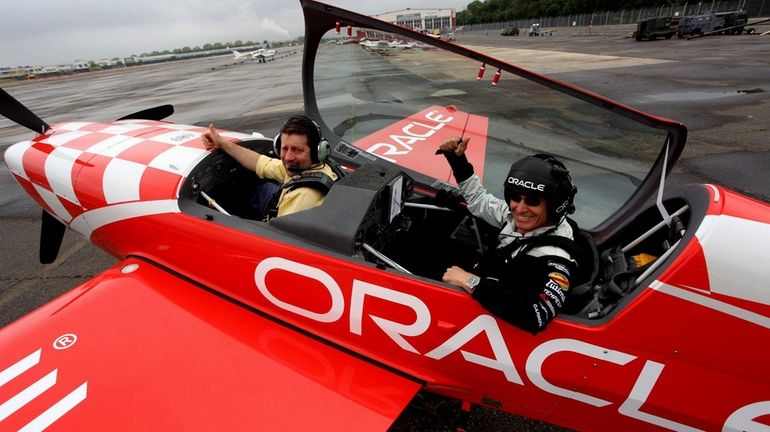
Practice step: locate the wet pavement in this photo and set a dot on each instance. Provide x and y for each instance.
(719, 86)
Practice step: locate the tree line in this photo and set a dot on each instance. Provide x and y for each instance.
(206, 47)
(483, 11)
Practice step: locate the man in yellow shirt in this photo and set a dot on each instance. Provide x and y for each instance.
(303, 153)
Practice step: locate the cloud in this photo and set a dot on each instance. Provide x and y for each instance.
(271, 26)
(42, 32)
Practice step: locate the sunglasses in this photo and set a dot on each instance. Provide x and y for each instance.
(530, 200)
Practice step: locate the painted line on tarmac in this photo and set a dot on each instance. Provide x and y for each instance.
(548, 62)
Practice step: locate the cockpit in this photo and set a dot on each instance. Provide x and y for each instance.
(398, 208)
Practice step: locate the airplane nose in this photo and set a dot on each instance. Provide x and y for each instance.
(46, 171)
(88, 175)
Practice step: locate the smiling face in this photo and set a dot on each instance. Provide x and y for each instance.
(528, 217)
(295, 152)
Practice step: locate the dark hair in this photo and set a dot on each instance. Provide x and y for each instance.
(546, 176)
(303, 125)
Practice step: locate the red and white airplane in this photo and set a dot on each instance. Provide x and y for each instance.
(333, 318)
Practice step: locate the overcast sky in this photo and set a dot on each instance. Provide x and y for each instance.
(45, 32)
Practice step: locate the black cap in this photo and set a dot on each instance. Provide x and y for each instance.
(542, 175)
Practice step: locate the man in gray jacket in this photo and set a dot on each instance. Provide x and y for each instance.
(526, 278)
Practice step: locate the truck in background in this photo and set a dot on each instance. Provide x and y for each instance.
(712, 22)
(653, 28)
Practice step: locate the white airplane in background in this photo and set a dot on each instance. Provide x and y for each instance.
(402, 44)
(376, 45)
(346, 41)
(261, 54)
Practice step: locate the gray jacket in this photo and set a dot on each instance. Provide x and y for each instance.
(497, 213)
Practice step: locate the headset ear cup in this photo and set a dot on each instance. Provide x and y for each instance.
(277, 145)
(324, 148)
(569, 199)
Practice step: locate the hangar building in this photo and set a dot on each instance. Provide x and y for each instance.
(421, 19)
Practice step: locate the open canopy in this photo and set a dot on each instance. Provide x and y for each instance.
(396, 94)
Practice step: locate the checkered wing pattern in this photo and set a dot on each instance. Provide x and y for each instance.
(82, 167)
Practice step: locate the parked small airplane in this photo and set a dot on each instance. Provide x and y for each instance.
(402, 44)
(261, 54)
(376, 45)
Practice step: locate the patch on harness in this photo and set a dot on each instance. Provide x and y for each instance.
(559, 266)
(560, 279)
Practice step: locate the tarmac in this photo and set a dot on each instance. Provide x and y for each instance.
(718, 86)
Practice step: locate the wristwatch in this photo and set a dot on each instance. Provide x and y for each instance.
(472, 282)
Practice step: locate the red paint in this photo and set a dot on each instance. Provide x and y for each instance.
(222, 341)
(480, 75)
(189, 361)
(159, 350)
(399, 142)
(496, 78)
(690, 270)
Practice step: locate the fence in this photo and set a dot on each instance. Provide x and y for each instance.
(755, 8)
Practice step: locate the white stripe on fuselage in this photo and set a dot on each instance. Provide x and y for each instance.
(90, 221)
(60, 408)
(711, 303)
(19, 367)
(36, 389)
(736, 251)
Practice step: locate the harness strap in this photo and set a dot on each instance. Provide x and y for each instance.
(588, 258)
(315, 180)
(560, 242)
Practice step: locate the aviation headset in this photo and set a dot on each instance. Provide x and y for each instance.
(300, 124)
(544, 175)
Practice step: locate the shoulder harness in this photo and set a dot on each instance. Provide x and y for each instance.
(582, 249)
(315, 180)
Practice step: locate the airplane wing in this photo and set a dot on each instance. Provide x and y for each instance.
(139, 348)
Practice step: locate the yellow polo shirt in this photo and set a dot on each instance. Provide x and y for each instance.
(299, 199)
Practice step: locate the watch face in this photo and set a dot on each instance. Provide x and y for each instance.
(473, 281)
